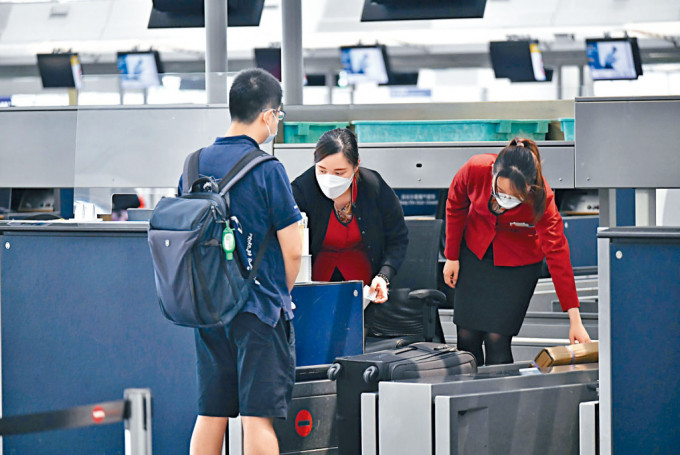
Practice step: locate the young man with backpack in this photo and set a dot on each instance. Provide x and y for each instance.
(248, 367)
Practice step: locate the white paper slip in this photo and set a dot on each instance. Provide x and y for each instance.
(368, 296)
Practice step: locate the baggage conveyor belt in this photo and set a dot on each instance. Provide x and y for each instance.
(513, 409)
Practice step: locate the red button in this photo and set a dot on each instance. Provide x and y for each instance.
(303, 423)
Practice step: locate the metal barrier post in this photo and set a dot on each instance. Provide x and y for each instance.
(587, 427)
(138, 424)
(235, 432)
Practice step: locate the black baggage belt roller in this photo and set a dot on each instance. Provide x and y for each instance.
(361, 374)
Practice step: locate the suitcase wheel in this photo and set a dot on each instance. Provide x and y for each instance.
(334, 371)
(370, 374)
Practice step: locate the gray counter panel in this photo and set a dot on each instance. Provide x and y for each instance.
(141, 147)
(542, 420)
(37, 148)
(431, 165)
(552, 109)
(627, 143)
(405, 409)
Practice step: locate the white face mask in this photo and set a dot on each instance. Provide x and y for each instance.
(332, 186)
(271, 135)
(505, 200)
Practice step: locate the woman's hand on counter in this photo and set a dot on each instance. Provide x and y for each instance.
(379, 286)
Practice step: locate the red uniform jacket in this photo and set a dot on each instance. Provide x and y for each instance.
(518, 239)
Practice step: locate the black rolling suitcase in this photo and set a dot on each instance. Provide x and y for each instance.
(358, 374)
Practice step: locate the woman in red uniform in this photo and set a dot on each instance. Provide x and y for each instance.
(501, 221)
(356, 223)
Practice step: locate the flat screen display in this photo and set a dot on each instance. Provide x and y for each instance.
(365, 64)
(269, 59)
(5, 200)
(191, 13)
(408, 10)
(403, 78)
(315, 80)
(519, 61)
(613, 59)
(139, 70)
(60, 70)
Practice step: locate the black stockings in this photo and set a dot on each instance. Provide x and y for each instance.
(497, 347)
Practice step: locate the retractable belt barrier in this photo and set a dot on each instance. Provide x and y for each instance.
(134, 409)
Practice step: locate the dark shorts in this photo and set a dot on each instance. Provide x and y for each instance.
(247, 368)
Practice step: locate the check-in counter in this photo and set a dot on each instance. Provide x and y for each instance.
(639, 317)
(81, 323)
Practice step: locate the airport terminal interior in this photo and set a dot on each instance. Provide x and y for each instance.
(101, 102)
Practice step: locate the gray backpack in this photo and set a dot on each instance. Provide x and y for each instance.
(200, 279)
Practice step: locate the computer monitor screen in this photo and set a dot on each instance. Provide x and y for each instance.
(365, 64)
(60, 70)
(315, 80)
(613, 59)
(5, 200)
(269, 59)
(400, 78)
(404, 10)
(139, 70)
(191, 13)
(34, 199)
(519, 61)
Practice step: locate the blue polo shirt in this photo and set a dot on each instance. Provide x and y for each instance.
(260, 201)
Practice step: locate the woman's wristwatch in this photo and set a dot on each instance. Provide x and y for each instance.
(384, 277)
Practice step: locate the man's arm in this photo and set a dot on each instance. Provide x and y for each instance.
(291, 248)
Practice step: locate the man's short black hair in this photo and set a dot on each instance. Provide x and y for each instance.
(253, 91)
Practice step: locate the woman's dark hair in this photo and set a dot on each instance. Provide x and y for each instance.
(339, 140)
(520, 162)
(253, 91)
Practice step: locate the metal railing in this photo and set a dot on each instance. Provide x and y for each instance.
(134, 410)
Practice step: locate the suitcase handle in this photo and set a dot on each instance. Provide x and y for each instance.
(334, 371)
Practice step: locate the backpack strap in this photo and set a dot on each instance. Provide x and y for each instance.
(250, 160)
(242, 167)
(190, 172)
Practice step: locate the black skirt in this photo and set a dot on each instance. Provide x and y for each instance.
(492, 298)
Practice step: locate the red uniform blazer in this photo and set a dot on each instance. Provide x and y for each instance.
(343, 248)
(517, 238)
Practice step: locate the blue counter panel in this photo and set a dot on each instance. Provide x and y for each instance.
(581, 234)
(80, 323)
(645, 340)
(329, 321)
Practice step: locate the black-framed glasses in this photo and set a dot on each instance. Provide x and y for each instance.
(280, 114)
